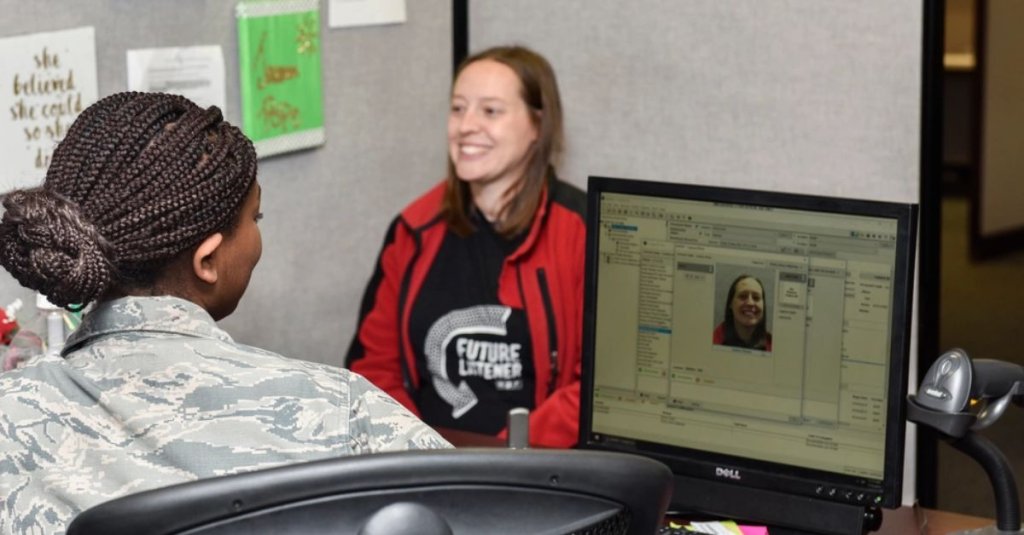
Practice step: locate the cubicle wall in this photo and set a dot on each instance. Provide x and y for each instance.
(807, 96)
(788, 95)
(386, 93)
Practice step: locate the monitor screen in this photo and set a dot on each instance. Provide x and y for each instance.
(756, 339)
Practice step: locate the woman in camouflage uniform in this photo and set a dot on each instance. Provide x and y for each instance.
(150, 210)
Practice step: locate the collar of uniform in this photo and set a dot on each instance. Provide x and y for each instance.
(164, 314)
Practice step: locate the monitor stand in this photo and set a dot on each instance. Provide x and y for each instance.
(784, 514)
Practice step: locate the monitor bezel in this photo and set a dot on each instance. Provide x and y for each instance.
(815, 483)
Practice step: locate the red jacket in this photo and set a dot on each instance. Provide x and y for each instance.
(545, 274)
(718, 337)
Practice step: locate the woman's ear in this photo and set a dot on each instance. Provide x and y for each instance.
(203, 259)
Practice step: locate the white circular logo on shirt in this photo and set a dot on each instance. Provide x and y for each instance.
(491, 360)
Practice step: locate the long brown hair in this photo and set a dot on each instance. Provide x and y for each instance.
(539, 90)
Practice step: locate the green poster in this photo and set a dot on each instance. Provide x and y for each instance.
(279, 74)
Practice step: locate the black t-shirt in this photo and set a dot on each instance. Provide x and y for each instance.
(473, 354)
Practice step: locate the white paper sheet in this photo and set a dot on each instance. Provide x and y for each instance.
(194, 72)
(343, 13)
(46, 80)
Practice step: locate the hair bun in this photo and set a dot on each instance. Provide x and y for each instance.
(49, 248)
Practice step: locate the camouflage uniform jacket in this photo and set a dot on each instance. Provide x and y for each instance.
(151, 392)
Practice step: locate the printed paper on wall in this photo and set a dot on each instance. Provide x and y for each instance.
(345, 13)
(194, 72)
(46, 80)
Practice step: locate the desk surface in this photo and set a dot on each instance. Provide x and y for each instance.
(909, 520)
(468, 439)
(902, 521)
(921, 521)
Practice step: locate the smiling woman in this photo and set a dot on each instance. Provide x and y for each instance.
(745, 316)
(492, 257)
(490, 133)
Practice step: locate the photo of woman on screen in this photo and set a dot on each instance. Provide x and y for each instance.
(745, 312)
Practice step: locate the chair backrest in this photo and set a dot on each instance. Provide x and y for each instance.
(463, 490)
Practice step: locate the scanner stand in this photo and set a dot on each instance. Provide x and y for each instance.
(956, 431)
(1004, 483)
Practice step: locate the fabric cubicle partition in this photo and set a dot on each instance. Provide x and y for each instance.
(803, 96)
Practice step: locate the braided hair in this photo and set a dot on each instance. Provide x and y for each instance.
(139, 178)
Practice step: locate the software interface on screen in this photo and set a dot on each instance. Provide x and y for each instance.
(811, 393)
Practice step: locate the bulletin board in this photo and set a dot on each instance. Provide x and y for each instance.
(326, 209)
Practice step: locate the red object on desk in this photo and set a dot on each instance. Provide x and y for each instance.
(8, 326)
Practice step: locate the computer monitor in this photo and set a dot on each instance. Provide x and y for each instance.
(756, 342)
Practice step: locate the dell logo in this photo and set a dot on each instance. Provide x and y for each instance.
(730, 473)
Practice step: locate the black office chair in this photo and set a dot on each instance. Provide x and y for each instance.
(475, 491)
